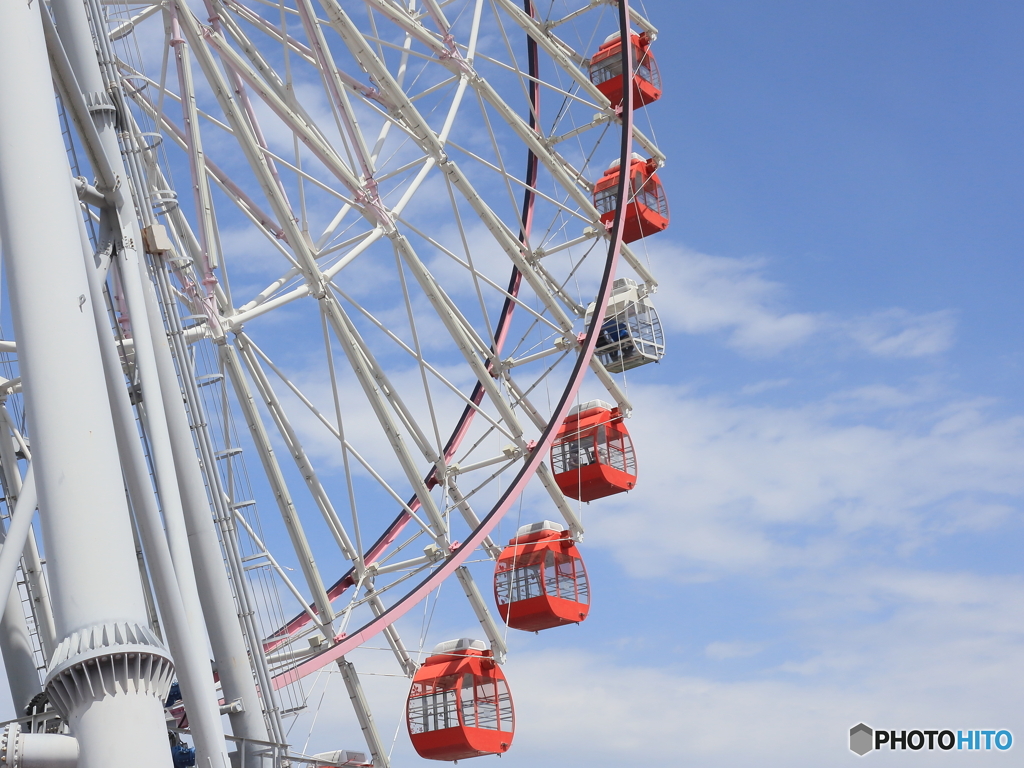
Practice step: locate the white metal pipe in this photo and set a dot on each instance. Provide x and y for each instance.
(498, 645)
(363, 714)
(471, 519)
(278, 569)
(15, 641)
(17, 533)
(31, 562)
(196, 156)
(96, 593)
(207, 559)
(213, 558)
(512, 362)
(36, 750)
(19, 657)
(297, 451)
(282, 494)
(190, 640)
(193, 665)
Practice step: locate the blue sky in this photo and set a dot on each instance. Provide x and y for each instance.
(827, 524)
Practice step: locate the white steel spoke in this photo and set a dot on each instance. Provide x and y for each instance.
(429, 375)
(314, 581)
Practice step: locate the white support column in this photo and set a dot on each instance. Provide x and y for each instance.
(188, 640)
(98, 603)
(193, 667)
(31, 562)
(19, 658)
(363, 714)
(16, 643)
(236, 676)
(483, 614)
(236, 374)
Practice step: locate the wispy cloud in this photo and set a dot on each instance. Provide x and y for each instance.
(733, 487)
(705, 294)
(936, 651)
(899, 333)
(720, 650)
(736, 298)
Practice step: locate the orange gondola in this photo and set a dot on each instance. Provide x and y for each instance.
(540, 581)
(606, 71)
(646, 204)
(459, 705)
(592, 455)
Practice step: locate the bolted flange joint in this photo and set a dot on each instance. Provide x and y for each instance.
(36, 750)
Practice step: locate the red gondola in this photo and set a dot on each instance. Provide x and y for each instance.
(540, 581)
(606, 71)
(647, 206)
(592, 455)
(459, 705)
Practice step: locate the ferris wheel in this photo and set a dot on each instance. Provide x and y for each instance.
(351, 263)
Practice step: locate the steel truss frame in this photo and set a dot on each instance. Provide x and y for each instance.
(147, 283)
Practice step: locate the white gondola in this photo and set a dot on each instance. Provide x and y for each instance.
(631, 334)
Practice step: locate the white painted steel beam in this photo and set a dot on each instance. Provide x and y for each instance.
(15, 641)
(234, 676)
(348, 122)
(31, 563)
(174, 580)
(264, 221)
(488, 545)
(282, 495)
(363, 714)
(85, 522)
(483, 614)
(299, 126)
(298, 452)
(232, 657)
(369, 375)
(196, 157)
(247, 141)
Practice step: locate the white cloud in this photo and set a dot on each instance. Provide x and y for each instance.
(720, 650)
(702, 294)
(898, 333)
(705, 294)
(728, 487)
(945, 655)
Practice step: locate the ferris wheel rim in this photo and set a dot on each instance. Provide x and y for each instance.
(455, 558)
(234, 324)
(166, 260)
(508, 307)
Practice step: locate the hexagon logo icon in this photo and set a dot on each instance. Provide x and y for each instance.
(861, 739)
